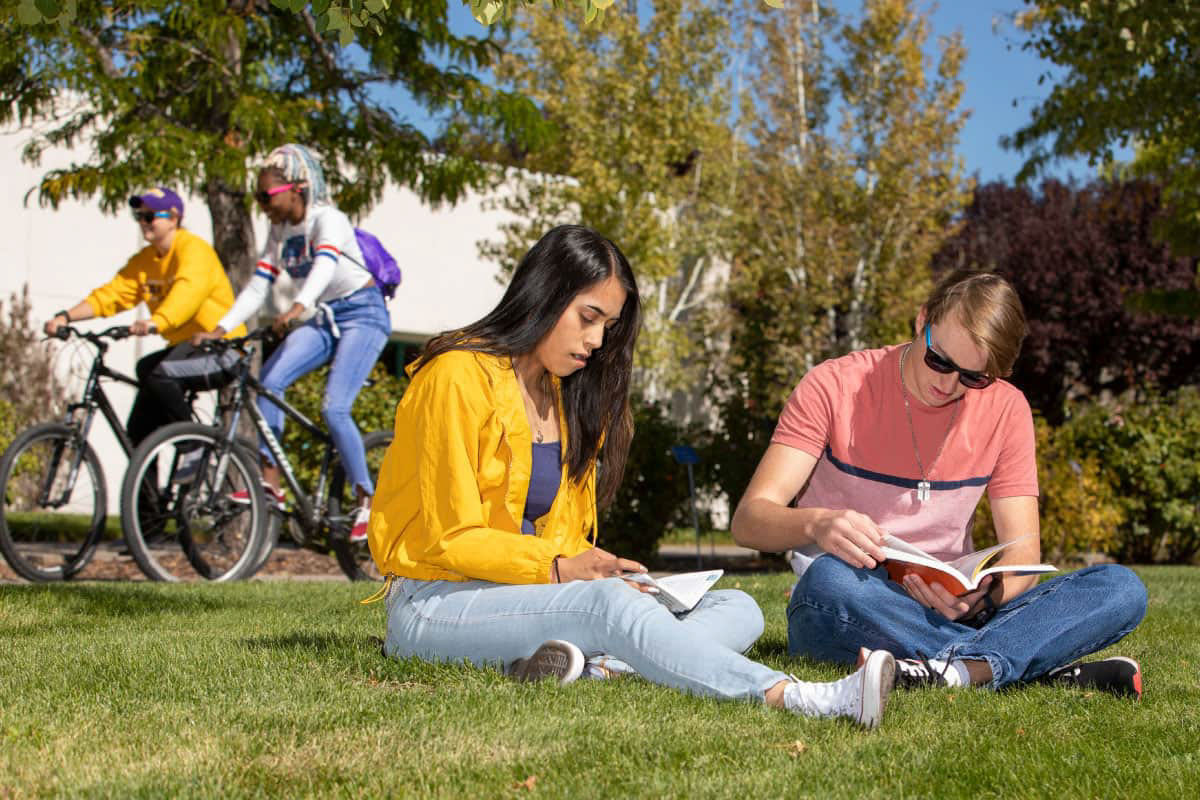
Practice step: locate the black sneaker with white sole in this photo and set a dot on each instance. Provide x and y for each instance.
(555, 659)
(912, 673)
(1118, 675)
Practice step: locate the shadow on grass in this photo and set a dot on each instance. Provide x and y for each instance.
(770, 646)
(125, 600)
(314, 643)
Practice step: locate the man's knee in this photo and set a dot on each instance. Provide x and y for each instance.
(1124, 590)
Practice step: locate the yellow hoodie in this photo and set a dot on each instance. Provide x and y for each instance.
(186, 290)
(452, 486)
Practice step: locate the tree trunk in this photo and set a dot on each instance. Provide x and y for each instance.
(233, 230)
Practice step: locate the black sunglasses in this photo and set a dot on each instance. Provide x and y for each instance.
(939, 363)
(149, 216)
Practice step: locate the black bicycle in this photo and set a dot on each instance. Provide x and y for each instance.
(319, 520)
(55, 496)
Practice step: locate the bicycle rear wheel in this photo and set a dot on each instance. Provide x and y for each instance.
(355, 557)
(55, 503)
(192, 508)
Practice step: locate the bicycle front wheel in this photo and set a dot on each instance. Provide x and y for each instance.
(192, 507)
(55, 503)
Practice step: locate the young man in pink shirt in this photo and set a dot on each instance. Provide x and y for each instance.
(904, 440)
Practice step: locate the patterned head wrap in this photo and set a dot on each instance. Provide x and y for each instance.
(299, 165)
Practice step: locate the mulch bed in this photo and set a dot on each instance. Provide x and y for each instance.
(286, 561)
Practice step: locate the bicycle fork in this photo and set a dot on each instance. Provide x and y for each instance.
(79, 435)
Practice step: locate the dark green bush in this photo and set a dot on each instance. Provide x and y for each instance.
(653, 497)
(1149, 452)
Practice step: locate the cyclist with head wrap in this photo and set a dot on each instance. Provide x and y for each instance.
(315, 243)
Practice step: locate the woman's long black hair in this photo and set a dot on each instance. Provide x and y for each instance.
(565, 262)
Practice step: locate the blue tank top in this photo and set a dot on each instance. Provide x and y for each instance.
(543, 482)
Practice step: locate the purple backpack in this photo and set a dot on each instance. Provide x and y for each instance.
(380, 264)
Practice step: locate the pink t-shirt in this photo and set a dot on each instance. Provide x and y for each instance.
(849, 413)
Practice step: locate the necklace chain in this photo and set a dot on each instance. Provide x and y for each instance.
(923, 487)
(531, 408)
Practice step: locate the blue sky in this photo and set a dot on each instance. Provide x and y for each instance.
(997, 74)
(1000, 78)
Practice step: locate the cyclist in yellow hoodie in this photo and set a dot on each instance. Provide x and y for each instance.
(484, 518)
(180, 279)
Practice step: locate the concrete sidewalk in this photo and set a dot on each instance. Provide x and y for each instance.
(729, 557)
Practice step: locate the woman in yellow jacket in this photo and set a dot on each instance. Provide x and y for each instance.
(180, 279)
(485, 515)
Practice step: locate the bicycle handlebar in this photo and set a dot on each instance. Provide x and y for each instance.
(116, 333)
(238, 343)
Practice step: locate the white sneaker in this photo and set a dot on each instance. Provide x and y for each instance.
(860, 696)
(556, 659)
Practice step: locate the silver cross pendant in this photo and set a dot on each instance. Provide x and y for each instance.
(923, 490)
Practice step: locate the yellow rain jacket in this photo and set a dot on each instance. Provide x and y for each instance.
(452, 486)
(186, 290)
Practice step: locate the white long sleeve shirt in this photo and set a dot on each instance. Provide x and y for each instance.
(320, 251)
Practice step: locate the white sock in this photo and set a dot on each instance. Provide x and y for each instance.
(955, 673)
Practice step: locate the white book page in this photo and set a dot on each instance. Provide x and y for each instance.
(1018, 569)
(971, 562)
(679, 592)
(687, 588)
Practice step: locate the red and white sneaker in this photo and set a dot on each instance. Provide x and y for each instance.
(358, 533)
(279, 499)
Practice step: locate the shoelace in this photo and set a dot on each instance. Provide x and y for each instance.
(921, 672)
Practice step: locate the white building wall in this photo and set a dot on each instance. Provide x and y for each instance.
(63, 254)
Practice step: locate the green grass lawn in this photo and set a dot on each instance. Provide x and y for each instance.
(30, 526)
(687, 536)
(121, 690)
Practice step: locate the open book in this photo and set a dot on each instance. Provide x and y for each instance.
(959, 576)
(680, 592)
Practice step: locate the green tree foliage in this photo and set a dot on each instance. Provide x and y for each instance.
(644, 154)
(346, 18)
(852, 184)
(191, 94)
(1129, 79)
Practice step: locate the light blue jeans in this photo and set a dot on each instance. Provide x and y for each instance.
(487, 623)
(836, 608)
(363, 326)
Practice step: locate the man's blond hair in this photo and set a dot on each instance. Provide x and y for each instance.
(988, 307)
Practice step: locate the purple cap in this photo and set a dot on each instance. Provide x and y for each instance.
(160, 198)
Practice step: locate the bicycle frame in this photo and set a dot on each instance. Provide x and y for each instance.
(310, 512)
(92, 399)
